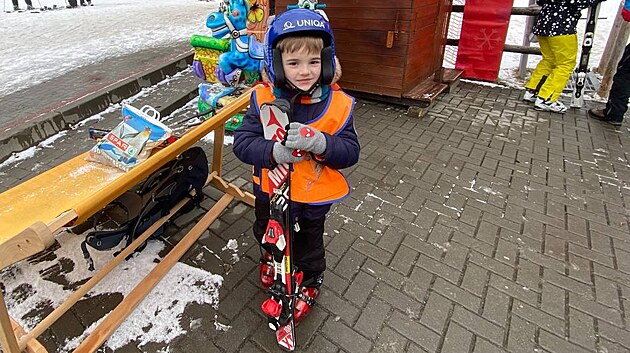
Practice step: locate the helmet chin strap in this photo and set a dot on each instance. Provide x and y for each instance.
(309, 91)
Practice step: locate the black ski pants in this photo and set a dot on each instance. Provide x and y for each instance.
(28, 2)
(308, 244)
(617, 104)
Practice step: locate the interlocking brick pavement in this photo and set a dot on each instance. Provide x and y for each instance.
(485, 226)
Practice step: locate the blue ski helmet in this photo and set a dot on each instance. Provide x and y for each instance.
(298, 22)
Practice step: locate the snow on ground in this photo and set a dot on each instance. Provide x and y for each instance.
(41, 46)
(156, 319)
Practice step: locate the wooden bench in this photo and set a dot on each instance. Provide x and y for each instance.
(35, 211)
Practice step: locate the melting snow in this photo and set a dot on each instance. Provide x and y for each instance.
(156, 319)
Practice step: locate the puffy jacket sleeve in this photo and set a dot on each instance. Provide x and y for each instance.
(342, 149)
(250, 145)
(625, 12)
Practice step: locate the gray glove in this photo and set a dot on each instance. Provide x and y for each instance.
(305, 138)
(282, 154)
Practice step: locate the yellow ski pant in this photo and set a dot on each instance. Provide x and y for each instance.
(559, 57)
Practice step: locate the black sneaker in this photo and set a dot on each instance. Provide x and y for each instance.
(598, 114)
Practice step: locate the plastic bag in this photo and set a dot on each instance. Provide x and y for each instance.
(132, 140)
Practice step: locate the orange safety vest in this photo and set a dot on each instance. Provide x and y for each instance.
(312, 182)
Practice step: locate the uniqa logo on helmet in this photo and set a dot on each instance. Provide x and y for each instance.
(303, 23)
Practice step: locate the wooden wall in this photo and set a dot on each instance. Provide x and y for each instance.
(360, 29)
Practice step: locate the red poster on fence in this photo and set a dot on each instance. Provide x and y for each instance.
(484, 29)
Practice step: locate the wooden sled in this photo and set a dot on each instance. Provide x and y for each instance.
(75, 190)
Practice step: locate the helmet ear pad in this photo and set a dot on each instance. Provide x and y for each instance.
(280, 79)
(328, 65)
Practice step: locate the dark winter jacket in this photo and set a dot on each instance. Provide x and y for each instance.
(250, 146)
(559, 17)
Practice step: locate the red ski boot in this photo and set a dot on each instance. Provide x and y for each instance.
(304, 302)
(267, 272)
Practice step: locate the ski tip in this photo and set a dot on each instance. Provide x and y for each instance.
(285, 336)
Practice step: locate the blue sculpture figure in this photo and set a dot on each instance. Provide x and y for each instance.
(230, 23)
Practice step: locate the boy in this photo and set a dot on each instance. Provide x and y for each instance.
(301, 66)
(555, 29)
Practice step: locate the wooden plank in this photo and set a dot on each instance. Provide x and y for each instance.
(372, 79)
(365, 36)
(30, 241)
(126, 307)
(381, 70)
(32, 346)
(232, 189)
(374, 89)
(375, 49)
(349, 59)
(451, 75)
(8, 342)
(217, 150)
(371, 43)
(374, 25)
(340, 13)
(422, 59)
(427, 91)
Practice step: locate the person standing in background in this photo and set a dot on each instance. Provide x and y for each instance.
(16, 7)
(555, 29)
(617, 104)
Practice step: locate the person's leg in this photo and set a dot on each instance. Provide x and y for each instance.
(309, 257)
(617, 104)
(308, 250)
(267, 272)
(15, 5)
(544, 67)
(565, 54)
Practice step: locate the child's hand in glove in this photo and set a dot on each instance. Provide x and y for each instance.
(282, 154)
(305, 138)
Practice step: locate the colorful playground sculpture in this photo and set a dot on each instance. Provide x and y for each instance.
(230, 58)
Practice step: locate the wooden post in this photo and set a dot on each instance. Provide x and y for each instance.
(613, 36)
(126, 307)
(217, 150)
(8, 342)
(529, 24)
(32, 346)
(615, 55)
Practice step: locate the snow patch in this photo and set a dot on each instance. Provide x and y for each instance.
(157, 317)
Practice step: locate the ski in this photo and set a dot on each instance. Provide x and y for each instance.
(579, 77)
(280, 306)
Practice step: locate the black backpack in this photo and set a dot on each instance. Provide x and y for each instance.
(133, 212)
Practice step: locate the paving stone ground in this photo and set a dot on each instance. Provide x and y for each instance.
(485, 226)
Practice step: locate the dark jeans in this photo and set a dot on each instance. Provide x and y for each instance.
(28, 2)
(620, 92)
(308, 244)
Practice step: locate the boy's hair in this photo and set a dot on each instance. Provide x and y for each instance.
(292, 44)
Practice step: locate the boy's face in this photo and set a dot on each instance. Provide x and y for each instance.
(302, 68)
